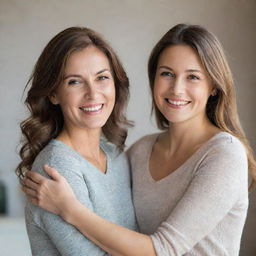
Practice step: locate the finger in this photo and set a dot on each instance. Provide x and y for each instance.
(28, 191)
(30, 183)
(52, 172)
(36, 177)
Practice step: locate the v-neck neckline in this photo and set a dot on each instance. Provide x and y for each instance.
(186, 162)
(91, 165)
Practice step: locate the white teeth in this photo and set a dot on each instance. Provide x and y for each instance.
(95, 108)
(178, 103)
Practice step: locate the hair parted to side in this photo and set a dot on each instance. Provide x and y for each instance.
(46, 120)
(221, 109)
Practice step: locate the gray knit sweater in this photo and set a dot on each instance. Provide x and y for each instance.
(109, 195)
(200, 208)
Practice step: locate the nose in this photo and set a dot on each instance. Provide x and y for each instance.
(90, 91)
(178, 86)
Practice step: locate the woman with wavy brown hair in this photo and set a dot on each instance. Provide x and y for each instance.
(190, 182)
(77, 124)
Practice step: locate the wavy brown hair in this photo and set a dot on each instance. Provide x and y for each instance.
(221, 109)
(46, 119)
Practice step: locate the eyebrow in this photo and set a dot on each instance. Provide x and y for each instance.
(71, 75)
(188, 70)
(79, 76)
(103, 70)
(194, 70)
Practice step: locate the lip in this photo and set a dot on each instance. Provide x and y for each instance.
(92, 112)
(175, 106)
(177, 99)
(91, 105)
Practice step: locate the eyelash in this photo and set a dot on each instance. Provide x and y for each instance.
(73, 81)
(169, 74)
(166, 73)
(102, 78)
(193, 77)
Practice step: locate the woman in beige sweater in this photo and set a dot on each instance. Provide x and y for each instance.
(190, 181)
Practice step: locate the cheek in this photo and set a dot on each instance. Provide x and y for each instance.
(156, 86)
(70, 99)
(200, 94)
(158, 91)
(206, 96)
(110, 92)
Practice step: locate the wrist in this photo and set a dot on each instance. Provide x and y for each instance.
(67, 213)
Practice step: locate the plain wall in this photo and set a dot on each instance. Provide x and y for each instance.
(132, 27)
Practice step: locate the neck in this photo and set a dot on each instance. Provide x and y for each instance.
(86, 142)
(189, 135)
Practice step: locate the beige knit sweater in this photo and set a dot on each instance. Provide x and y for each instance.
(200, 208)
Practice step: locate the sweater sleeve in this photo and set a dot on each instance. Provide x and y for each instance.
(40, 242)
(219, 181)
(53, 230)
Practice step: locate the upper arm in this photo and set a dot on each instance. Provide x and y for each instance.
(213, 191)
(67, 239)
(40, 242)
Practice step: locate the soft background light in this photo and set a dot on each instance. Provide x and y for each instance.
(132, 27)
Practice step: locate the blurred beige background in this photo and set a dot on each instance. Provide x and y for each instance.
(132, 27)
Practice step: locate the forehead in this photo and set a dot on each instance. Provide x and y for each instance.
(90, 58)
(180, 56)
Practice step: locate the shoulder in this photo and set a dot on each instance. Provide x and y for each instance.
(58, 155)
(58, 149)
(224, 154)
(225, 143)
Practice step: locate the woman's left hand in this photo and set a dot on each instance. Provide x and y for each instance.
(54, 195)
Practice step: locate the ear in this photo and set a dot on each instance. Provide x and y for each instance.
(53, 99)
(214, 92)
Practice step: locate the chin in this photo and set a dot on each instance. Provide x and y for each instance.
(95, 125)
(174, 119)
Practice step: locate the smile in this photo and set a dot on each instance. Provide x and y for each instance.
(178, 103)
(92, 108)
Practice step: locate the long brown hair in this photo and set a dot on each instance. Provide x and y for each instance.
(46, 119)
(221, 109)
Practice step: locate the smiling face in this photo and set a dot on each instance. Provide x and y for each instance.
(87, 94)
(182, 86)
